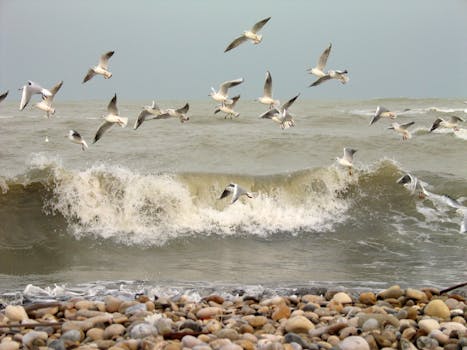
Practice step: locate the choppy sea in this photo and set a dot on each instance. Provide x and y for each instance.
(139, 210)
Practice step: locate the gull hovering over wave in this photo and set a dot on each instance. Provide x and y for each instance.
(451, 123)
(267, 98)
(382, 112)
(179, 113)
(228, 108)
(236, 192)
(46, 103)
(110, 119)
(281, 114)
(222, 94)
(251, 34)
(75, 137)
(101, 68)
(30, 89)
(4, 95)
(402, 129)
(148, 111)
(340, 75)
(318, 70)
(347, 158)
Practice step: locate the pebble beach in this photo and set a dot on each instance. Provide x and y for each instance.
(394, 318)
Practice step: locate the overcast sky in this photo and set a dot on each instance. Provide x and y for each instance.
(175, 49)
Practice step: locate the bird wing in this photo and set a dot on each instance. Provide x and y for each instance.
(234, 100)
(436, 124)
(268, 85)
(321, 80)
(141, 118)
(226, 85)
(269, 114)
(55, 88)
(102, 129)
(406, 125)
(104, 60)
(89, 75)
(257, 27)
(323, 59)
(112, 107)
(455, 119)
(183, 109)
(4, 95)
(25, 97)
(348, 154)
(165, 115)
(236, 42)
(289, 102)
(227, 190)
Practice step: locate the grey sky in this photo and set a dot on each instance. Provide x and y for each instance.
(174, 49)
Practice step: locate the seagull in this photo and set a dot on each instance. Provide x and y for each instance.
(347, 159)
(451, 123)
(46, 103)
(75, 137)
(236, 192)
(228, 108)
(402, 129)
(249, 34)
(319, 69)
(267, 94)
(340, 75)
(153, 110)
(30, 89)
(175, 113)
(281, 114)
(412, 183)
(382, 112)
(101, 68)
(4, 95)
(110, 119)
(221, 95)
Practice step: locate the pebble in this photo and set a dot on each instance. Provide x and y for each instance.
(391, 319)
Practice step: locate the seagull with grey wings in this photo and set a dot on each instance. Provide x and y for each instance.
(46, 103)
(267, 98)
(281, 114)
(4, 95)
(31, 88)
(347, 159)
(383, 112)
(236, 191)
(110, 119)
(451, 123)
(179, 113)
(75, 137)
(402, 129)
(102, 68)
(148, 113)
(228, 108)
(318, 70)
(251, 35)
(221, 95)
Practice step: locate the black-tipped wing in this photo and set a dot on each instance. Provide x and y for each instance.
(236, 42)
(102, 129)
(227, 191)
(321, 80)
(406, 125)
(112, 107)
(323, 59)
(141, 118)
(4, 95)
(104, 60)
(258, 26)
(184, 109)
(89, 75)
(56, 87)
(436, 124)
(290, 102)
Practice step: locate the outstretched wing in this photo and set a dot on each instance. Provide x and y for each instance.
(321, 80)
(4, 95)
(290, 102)
(228, 84)
(257, 27)
(112, 107)
(268, 85)
(436, 124)
(102, 129)
(104, 60)
(141, 118)
(89, 75)
(184, 109)
(236, 42)
(323, 59)
(406, 125)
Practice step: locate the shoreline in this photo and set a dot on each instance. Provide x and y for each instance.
(319, 318)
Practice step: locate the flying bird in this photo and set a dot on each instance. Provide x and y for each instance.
(236, 191)
(110, 119)
(46, 103)
(451, 123)
(382, 112)
(101, 68)
(32, 88)
(148, 111)
(267, 98)
(402, 129)
(75, 137)
(251, 34)
(347, 158)
(318, 70)
(179, 113)
(222, 94)
(340, 75)
(281, 114)
(4, 95)
(228, 108)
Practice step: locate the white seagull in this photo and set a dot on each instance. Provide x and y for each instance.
(318, 70)
(236, 192)
(75, 137)
(110, 119)
(281, 114)
(179, 113)
(46, 103)
(382, 112)
(251, 34)
(30, 89)
(101, 68)
(228, 108)
(148, 111)
(267, 98)
(347, 158)
(222, 94)
(402, 129)
(4, 95)
(451, 123)
(340, 75)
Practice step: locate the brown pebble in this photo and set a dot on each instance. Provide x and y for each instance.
(367, 298)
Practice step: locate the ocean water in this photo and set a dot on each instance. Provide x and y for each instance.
(139, 210)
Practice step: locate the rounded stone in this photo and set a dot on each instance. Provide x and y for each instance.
(142, 330)
(354, 343)
(73, 335)
(370, 324)
(256, 321)
(9, 345)
(113, 331)
(95, 333)
(209, 312)
(448, 327)
(367, 298)
(298, 324)
(282, 311)
(392, 292)
(231, 346)
(416, 294)
(428, 324)
(34, 339)
(16, 313)
(112, 304)
(189, 341)
(437, 308)
(342, 298)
